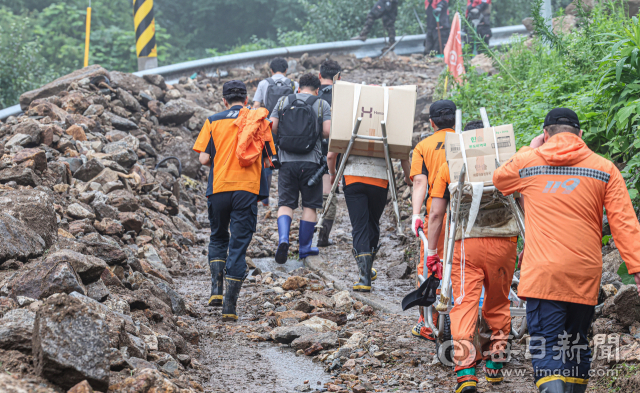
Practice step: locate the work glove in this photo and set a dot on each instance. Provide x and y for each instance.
(437, 11)
(416, 222)
(434, 265)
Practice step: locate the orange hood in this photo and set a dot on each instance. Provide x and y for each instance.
(564, 149)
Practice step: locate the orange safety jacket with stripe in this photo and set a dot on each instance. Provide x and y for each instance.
(565, 187)
(219, 137)
(428, 156)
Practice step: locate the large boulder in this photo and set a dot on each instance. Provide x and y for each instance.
(35, 209)
(627, 305)
(23, 176)
(177, 111)
(17, 241)
(89, 170)
(119, 123)
(88, 267)
(45, 279)
(286, 334)
(70, 343)
(128, 100)
(104, 248)
(31, 128)
(182, 148)
(124, 201)
(61, 84)
(16, 330)
(135, 84)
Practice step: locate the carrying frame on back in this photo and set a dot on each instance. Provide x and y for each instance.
(443, 303)
(343, 164)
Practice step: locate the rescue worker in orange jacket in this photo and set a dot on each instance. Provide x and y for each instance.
(428, 155)
(233, 191)
(478, 262)
(565, 187)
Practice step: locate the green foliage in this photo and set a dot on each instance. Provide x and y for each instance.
(625, 277)
(21, 66)
(619, 86)
(595, 71)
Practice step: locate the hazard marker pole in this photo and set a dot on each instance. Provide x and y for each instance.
(87, 37)
(145, 25)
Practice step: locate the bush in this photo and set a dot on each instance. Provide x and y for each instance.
(594, 71)
(22, 67)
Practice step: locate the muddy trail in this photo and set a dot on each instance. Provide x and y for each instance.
(299, 330)
(100, 232)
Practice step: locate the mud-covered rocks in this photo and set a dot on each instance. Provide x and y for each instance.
(627, 305)
(177, 111)
(286, 334)
(327, 340)
(148, 379)
(104, 248)
(16, 330)
(70, 343)
(294, 282)
(10, 384)
(47, 278)
(17, 241)
(89, 170)
(22, 176)
(62, 84)
(88, 267)
(34, 208)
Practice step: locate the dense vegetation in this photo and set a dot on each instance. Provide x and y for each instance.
(594, 70)
(40, 39)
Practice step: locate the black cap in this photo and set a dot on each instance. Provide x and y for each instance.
(234, 87)
(442, 107)
(423, 296)
(562, 116)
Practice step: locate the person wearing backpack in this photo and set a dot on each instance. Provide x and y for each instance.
(268, 93)
(300, 121)
(232, 143)
(329, 69)
(270, 90)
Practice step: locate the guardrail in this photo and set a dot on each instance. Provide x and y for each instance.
(371, 48)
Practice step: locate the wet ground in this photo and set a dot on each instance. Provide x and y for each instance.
(235, 357)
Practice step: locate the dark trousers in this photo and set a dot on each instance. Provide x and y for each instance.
(365, 204)
(559, 338)
(432, 41)
(233, 217)
(388, 16)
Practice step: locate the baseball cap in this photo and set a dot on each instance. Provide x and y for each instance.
(562, 116)
(442, 107)
(234, 87)
(423, 296)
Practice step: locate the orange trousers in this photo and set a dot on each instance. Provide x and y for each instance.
(488, 262)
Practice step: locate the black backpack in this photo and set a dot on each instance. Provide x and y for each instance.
(300, 126)
(326, 93)
(277, 90)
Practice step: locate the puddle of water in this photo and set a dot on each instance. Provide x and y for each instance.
(293, 370)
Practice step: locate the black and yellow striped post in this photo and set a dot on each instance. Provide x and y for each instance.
(145, 25)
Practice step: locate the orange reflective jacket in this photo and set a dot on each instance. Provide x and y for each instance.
(254, 131)
(566, 186)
